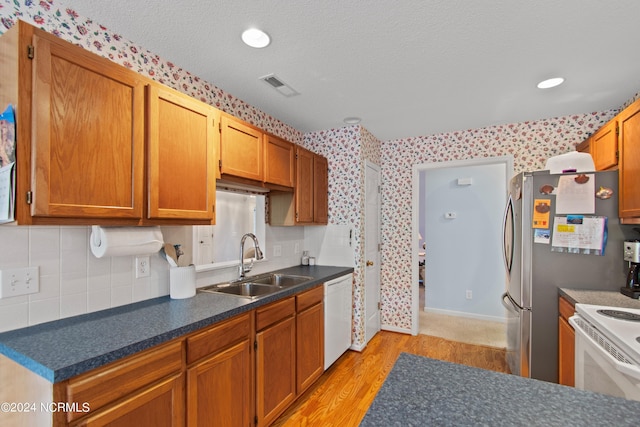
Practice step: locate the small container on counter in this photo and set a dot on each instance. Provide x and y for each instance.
(312, 260)
(305, 257)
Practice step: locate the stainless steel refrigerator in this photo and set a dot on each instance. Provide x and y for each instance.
(535, 271)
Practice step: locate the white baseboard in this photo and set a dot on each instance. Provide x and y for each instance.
(463, 314)
(357, 347)
(395, 329)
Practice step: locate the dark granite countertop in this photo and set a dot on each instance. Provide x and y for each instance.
(594, 297)
(425, 392)
(64, 348)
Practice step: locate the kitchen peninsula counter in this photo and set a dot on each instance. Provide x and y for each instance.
(64, 348)
(421, 391)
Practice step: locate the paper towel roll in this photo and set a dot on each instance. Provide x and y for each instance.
(120, 241)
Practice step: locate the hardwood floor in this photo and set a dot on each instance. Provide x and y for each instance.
(345, 391)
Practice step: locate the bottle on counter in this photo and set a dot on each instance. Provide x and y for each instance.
(305, 257)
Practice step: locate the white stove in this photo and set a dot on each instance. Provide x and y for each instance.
(620, 325)
(607, 351)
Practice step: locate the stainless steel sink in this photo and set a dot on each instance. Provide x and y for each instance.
(281, 280)
(257, 286)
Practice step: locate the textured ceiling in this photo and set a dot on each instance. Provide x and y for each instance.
(406, 67)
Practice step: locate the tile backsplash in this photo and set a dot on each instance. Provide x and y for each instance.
(73, 281)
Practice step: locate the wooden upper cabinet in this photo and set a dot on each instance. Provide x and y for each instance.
(241, 150)
(584, 146)
(629, 170)
(304, 193)
(87, 134)
(279, 158)
(604, 146)
(308, 205)
(320, 189)
(182, 154)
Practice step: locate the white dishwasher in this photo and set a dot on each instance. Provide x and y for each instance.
(337, 318)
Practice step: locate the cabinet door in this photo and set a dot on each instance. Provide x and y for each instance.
(159, 405)
(304, 186)
(604, 146)
(320, 190)
(566, 344)
(309, 346)
(240, 150)
(88, 134)
(218, 389)
(629, 172)
(275, 370)
(584, 146)
(279, 161)
(182, 141)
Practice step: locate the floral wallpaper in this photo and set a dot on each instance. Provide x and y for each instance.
(346, 150)
(530, 143)
(70, 26)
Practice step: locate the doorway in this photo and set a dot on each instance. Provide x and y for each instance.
(372, 250)
(457, 223)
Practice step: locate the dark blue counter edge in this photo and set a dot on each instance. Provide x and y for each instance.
(62, 374)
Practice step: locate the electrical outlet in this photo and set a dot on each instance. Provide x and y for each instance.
(296, 248)
(277, 250)
(142, 267)
(19, 281)
(469, 294)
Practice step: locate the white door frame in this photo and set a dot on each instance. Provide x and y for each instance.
(415, 287)
(367, 337)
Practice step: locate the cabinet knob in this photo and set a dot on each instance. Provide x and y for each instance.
(369, 263)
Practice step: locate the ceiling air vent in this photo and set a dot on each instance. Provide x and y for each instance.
(281, 87)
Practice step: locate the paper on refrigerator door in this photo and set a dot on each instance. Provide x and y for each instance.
(574, 196)
(579, 234)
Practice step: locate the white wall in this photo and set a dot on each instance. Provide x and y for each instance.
(464, 253)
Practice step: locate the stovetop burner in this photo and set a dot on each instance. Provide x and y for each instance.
(619, 314)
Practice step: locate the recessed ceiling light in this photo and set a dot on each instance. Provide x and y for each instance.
(256, 38)
(549, 83)
(352, 120)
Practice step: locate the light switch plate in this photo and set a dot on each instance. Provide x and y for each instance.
(19, 281)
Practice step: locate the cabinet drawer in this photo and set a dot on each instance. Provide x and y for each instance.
(565, 308)
(218, 337)
(273, 313)
(107, 384)
(308, 298)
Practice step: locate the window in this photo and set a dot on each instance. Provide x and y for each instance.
(216, 246)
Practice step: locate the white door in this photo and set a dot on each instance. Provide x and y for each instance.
(372, 251)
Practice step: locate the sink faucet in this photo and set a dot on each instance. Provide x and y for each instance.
(258, 254)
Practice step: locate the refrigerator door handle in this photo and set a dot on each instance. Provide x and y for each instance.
(507, 235)
(511, 305)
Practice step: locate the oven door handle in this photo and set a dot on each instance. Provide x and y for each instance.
(625, 368)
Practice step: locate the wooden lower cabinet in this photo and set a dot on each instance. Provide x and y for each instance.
(218, 389)
(309, 338)
(275, 360)
(161, 404)
(289, 352)
(243, 371)
(566, 344)
(219, 374)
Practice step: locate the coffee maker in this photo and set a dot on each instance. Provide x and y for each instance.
(632, 256)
